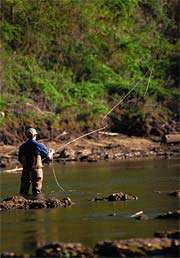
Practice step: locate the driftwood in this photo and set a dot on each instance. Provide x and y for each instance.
(109, 133)
(172, 138)
(12, 170)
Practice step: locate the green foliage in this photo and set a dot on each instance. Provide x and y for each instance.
(79, 55)
(3, 103)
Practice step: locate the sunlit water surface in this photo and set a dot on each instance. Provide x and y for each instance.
(88, 222)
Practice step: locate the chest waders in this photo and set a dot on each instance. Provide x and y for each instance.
(32, 174)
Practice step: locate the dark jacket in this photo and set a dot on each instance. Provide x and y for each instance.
(29, 151)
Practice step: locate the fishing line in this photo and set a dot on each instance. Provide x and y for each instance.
(80, 137)
(122, 99)
(99, 129)
(62, 147)
(53, 170)
(148, 82)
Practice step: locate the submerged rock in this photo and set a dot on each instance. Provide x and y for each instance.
(170, 215)
(56, 249)
(120, 196)
(175, 234)
(175, 193)
(138, 247)
(19, 202)
(11, 254)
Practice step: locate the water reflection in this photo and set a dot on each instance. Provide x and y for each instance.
(88, 222)
(34, 237)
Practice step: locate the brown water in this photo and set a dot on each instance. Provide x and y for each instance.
(88, 222)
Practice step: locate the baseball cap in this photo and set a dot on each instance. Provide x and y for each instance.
(31, 132)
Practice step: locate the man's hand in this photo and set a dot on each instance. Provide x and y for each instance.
(51, 153)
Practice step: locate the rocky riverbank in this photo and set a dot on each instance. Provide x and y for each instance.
(106, 146)
(161, 246)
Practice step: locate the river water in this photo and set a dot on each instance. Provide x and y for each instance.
(88, 222)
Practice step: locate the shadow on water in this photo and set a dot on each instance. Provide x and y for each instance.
(86, 221)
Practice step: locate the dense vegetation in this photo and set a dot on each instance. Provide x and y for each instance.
(65, 63)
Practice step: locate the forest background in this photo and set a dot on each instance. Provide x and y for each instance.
(65, 63)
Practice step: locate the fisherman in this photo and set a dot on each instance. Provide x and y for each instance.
(31, 155)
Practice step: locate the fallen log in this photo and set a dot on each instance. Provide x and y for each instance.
(171, 138)
(109, 133)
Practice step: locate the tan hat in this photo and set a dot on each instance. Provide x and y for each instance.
(31, 132)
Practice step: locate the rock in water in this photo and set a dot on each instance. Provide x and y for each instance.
(11, 254)
(120, 196)
(174, 234)
(175, 193)
(56, 249)
(170, 215)
(138, 248)
(19, 202)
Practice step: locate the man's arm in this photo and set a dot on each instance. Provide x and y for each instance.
(46, 154)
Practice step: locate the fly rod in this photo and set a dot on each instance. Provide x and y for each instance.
(99, 129)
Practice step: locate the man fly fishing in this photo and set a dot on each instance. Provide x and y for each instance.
(31, 154)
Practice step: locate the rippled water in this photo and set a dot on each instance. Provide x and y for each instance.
(87, 222)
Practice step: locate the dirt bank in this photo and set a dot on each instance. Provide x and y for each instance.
(106, 146)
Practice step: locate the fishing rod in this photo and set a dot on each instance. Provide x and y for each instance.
(62, 147)
(99, 129)
(109, 112)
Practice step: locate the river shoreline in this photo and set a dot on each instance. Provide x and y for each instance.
(92, 149)
(162, 246)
